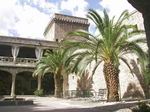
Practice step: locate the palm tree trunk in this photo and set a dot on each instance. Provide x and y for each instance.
(112, 81)
(65, 85)
(58, 86)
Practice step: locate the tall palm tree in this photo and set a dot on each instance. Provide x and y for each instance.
(114, 41)
(54, 62)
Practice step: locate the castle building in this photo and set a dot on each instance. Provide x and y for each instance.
(18, 57)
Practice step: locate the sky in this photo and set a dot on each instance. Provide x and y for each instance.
(29, 18)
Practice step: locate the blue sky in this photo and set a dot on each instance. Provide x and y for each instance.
(29, 18)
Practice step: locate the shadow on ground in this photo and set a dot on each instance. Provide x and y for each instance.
(108, 108)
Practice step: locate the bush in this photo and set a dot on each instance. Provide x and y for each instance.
(39, 92)
(142, 107)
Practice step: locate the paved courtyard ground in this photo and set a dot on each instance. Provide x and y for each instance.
(51, 104)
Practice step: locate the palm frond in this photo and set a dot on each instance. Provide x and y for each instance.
(126, 62)
(95, 67)
(97, 19)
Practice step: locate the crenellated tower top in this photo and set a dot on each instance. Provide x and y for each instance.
(60, 25)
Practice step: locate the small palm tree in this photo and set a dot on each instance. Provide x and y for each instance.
(84, 84)
(54, 62)
(114, 41)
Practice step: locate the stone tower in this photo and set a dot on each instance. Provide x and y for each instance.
(60, 25)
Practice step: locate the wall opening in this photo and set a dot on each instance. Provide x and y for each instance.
(26, 52)
(5, 50)
(25, 83)
(5, 83)
(48, 84)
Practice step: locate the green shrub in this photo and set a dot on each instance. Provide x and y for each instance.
(39, 92)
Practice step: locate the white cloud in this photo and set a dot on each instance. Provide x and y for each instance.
(115, 9)
(31, 22)
(7, 16)
(76, 8)
(26, 20)
(51, 7)
(116, 6)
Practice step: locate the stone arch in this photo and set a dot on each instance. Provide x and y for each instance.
(5, 82)
(25, 83)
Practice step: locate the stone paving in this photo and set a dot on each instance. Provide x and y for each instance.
(51, 104)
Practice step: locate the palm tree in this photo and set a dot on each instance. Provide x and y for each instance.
(114, 41)
(144, 8)
(54, 62)
(145, 71)
(84, 84)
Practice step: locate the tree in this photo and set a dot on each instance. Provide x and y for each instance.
(84, 84)
(145, 70)
(144, 8)
(114, 41)
(54, 62)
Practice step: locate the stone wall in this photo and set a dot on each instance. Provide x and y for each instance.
(62, 28)
(130, 84)
(50, 35)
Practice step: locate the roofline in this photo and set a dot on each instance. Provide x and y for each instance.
(55, 18)
(28, 41)
(70, 16)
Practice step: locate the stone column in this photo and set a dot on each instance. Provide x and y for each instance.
(38, 53)
(13, 84)
(39, 82)
(15, 51)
